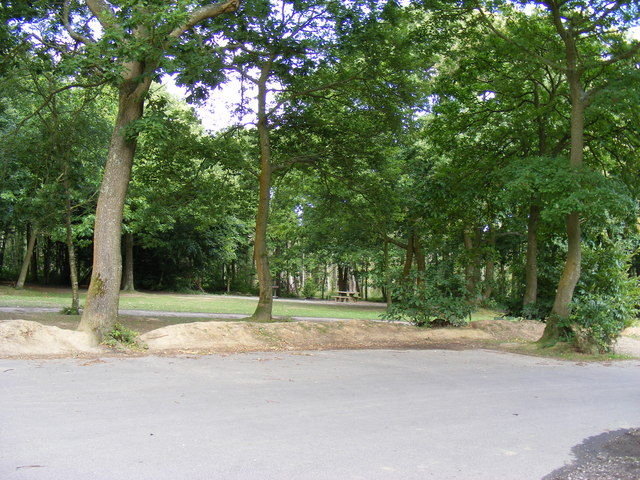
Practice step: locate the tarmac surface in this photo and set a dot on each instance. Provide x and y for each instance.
(369, 414)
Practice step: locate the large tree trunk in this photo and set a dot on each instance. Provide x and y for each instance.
(127, 276)
(31, 243)
(263, 312)
(571, 272)
(101, 308)
(531, 266)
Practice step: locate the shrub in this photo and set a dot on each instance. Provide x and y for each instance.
(437, 300)
(607, 298)
(120, 336)
(309, 289)
(599, 319)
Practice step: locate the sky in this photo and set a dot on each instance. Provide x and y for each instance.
(217, 112)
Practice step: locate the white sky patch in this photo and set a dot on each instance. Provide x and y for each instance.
(218, 112)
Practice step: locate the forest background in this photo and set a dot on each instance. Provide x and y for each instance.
(435, 155)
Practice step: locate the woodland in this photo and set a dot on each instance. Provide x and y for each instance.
(435, 155)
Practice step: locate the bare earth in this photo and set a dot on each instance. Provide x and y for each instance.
(28, 339)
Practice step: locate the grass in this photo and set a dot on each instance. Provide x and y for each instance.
(172, 302)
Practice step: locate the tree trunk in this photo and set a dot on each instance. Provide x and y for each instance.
(73, 269)
(34, 261)
(356, 281)
(101, 308)
(3, 247)
(31, 243)
(46, 261)
(489, 269)
(343, 278)
(408, 259)
(263, 312)
(127, 277)
(531, 266)
(387, 274)
(472, 268)
(571, 272)
(420, 260)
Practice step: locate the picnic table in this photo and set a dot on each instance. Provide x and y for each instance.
(346, 296)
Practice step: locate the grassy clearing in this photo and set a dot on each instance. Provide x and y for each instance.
(37, 297)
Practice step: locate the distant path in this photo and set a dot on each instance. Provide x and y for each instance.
(160, 313)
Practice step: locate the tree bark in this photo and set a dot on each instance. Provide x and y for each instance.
(263, 312)
(101, 308)
(34, 261)
(531, 265)
(343, 278)
(46, 261)
(3, 247)
(387, 274)
(420, 260)
(31, 243)
(73, 269)
(489, 269)
(472, 267)
(127, 277)
(571, 272)
(408, 259)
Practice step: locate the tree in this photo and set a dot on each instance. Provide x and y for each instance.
(280, 51)
(593, 40)
(135, 41)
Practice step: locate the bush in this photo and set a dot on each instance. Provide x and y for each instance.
(437, 300)
(606, 300)
(309, 289)
(598, 321)
(535, 310)
(120, 336)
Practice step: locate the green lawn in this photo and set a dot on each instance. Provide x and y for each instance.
(38, 297)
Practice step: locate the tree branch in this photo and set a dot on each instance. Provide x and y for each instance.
(296, 161)
(66, 15)
(309, 91)
(504, 37)
(50, 97)
(200, 14)
(103, 12)
(396, 242)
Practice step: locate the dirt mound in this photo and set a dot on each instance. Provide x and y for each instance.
(22, 337)
(632, 332)
(240, 336)
(27, 338)
(507, 331)
(627, 346)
